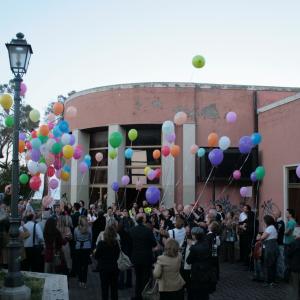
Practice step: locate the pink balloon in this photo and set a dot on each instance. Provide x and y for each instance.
(194, 149)
(71, 112)
(125, 180)
(180, 118)
(51, 117)
(138, 185)
(244, 191)
(50, 125)
(151, 175)
(83, 167)
(77, 152)
(50, 158)
(58, 173)
(23, 89)
(171, 137)
(98, 156)
(231, 117)
(165, 151)
(237, 174)
(53, 183)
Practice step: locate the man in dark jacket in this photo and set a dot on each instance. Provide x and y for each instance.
(143, 241)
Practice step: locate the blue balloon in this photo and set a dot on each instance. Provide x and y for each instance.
(128, 153)
(88, 162)
(256, 138)
(87, 157)
(36, 143)
(115, 186)
(245, 144)
(67, 168)
(201, 152)
(153, 195)
(63, 126)
(216, 156)
(56, 131)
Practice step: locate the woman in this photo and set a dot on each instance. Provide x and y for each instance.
(92, 215)
(229, 237)
(178, 233)
(271, 251)
(107, 254)
(53, 246)
(203, 274)
(167, 271)
(83, 240)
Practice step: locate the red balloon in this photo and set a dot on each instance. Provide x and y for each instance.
(34, 134)
(35, 183)
(158, 172)
(50, 171)
(165, 150)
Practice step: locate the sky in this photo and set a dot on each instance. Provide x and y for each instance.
(84, 44)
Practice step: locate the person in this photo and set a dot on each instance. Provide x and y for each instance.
(75, 216)
(203, 275)
(280, 227)
(83, 211)
(83, 240)
(178, 233)
(147, 209)
(167, 271)
(92, 215)
(126, 220)
(98, 226)
(134, 210)
(270, 246)
(257, 259)
(142, 243)
(107, 254)
(229, 237)
(53, 245)
(220, 214)
(293, 255)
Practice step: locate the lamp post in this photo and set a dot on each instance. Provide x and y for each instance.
(19, 55)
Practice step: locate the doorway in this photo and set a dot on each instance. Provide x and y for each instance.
(293, 191)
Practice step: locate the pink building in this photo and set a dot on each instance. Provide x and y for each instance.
(272, 111)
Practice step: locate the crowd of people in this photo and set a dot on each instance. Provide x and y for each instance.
(179, 248)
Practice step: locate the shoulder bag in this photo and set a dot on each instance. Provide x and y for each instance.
(124, 262)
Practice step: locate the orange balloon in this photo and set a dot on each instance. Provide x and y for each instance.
(21, 146)
(156, 154)
(175, 150)
(44, 130)
(58, 108)
(212, 140)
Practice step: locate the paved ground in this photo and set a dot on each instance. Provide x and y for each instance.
(235, 284)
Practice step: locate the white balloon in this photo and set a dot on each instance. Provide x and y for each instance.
(65, 139)
(180, 118)
(33, 167)
(50, 143)
(224, 143)
(44, 149)
(167, 127)
(42, 168)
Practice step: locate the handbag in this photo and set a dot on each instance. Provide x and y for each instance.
(151, 291)
(123, 261)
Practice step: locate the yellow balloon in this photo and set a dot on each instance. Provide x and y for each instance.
(146, 170)
(64, 176)
(6, 101)
(68, 151)
(34, 115)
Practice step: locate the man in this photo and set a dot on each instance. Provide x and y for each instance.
(126, 220)
(75, 216)
(82, 210)
(220, 214)
(280, 227)
(143, 241)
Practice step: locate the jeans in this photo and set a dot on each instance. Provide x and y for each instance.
(176, 295)
(82, 256)
(109, 280)
(142, 275)
(34, 260)
(125, 275)
(258, 271)
(229, 252)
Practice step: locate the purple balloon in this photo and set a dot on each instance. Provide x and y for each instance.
(125, 180)
(298, 171)
(22, 136)
(153, 195)
(77, 153)
(35, 155)
(151, 175)
(57, 164)
(53, 183)
(115, 186)
(244, 191)
(215, 157)
(253, 177)
(231, 117)
(171, 137)
(83, 167)
(72, 140)
(245, 144)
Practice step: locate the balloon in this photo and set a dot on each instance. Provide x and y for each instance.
(23, 89)
(253, 177)
(244, 191)
(43, 139)
(212, 139)
(245, 144)
(198, 61)
(180, 118)
(58, 108)
(83, 167)
(298, 171)
(231, 117)
(64, 175)
(22, 136)
(50, 159)
(87, 157)
(9, 121)
(115, 139)
(194, 149)
(65, 139)
(256, 138)
(175, 150)
(152, 195)
(23, 178)
(158, 172)
(156, 154)
(50, 144)
(68, 151)
(35, 183)
(138, 185)
(171, 137)
(237, 174)
(33, 134)
(63, 126)
(115, 186)
(56, 148)
(57, 163)
(167, 127)
(71, 112)
(260, 173)
(165, 151)
(132, 134)
(50, 171)
(201, 152)
(125, 180)
(147, 170)
(77, 153)
(99, 156)
(53, 183)
(35, 155)
(42, 168)
(128, 153)
(67, 168)
(51, 117)
(36, 143)
(112, 153)
(33, 167)
(56, 131)
(6, 101)
(21, 146)
(44, 130)
(34, 115)
(58, 173)
(224, 143)
(216, 157)
(151, 175)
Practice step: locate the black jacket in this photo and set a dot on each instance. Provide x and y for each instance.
(97, 227)
(294, 256)
(107, 256)
(142, 241)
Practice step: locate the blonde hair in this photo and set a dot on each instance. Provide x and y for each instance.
(83, 224)
(171, 248)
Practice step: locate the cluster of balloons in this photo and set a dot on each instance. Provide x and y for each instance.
(152, 174)
(6, 101)
(246, 143)
(132, 136)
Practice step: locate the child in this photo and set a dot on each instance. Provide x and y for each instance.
(257, 257)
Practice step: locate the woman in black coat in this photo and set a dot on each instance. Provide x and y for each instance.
(107, 254)
(203, 273)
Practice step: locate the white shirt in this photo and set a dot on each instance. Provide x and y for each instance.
(271, 230)
(243, 217)
(39, 238)
(91, 218)
(178, 235)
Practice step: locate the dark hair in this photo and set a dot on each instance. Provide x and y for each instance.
(291, 212)
(219, 206)
(248, 207)
(50, 231)
(29, 217)
(140, 219)
(172, 212)
(76, 206)
(110, 235)
(269, 220)
(215, 227)
(81, 201)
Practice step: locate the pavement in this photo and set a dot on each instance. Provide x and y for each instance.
(235, 283)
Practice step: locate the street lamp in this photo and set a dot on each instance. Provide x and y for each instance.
(19, 55)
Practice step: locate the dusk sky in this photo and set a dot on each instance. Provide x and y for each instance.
(84, 44)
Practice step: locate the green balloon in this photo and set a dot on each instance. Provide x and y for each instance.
(23, 178)
(115, 139)
(112, 153)
(9, 121)
(56, 148)
(198, 61)
(260, 173)
(132, 134)
(43, 139)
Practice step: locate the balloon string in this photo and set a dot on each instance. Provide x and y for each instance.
(81, 183)
(137, 196)
(94, 180)
(167, 180)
